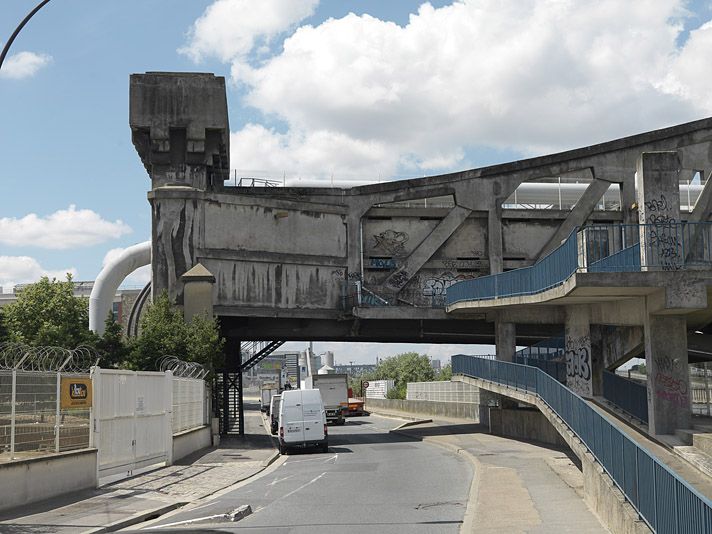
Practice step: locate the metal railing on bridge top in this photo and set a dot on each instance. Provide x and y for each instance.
(598, 248)
(666, 502)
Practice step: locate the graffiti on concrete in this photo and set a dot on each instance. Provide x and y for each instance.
(670, 382)
(399, 279)
(664, 242)
(462, 264)
(578, 365)
(437, 285)
(391, 241)
(382, 263)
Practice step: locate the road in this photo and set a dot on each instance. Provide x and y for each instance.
(370, 480)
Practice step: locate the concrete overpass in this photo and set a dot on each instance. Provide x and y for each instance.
(379, 262)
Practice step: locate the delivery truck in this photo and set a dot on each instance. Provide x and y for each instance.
(267, 389)
(334, 394)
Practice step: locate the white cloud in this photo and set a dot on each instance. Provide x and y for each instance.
(362, 96)
(24, 269)
(140, 277)
(23, 65)
(231, 28)
(61, 230)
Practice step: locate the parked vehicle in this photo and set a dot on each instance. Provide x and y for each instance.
(274, 413)
(334, 392)
(267, 389)
(302, 420)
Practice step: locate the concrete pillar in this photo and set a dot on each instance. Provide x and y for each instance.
(666, 362)
(494, 240)
(598, 346)
(579, 373)
(197, 292)
(657, 181)
(505, 338)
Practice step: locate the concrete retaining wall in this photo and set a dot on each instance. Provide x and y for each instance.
(185, 443)
(461, 410)
(524, 423)
(35, 479)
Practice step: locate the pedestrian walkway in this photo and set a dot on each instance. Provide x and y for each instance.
(520, 486)
(151, 494)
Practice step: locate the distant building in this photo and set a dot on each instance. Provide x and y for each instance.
(356, 369)
(435, 364)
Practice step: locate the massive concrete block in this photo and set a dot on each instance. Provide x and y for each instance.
(180, 128)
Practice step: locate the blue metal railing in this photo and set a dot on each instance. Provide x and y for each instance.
(629, 395)
(551, 271)
(666, 246)
(547, 355)
(666, 502)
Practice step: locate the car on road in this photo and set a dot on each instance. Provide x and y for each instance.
(302, 420)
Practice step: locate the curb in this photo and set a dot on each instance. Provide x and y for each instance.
(269, 461)
(393, 415)
(468, 520)
(139, 517)
(413, 423)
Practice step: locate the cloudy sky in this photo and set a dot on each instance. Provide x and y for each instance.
(341, 92)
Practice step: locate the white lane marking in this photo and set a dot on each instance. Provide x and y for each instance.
(189, 521)
(260, 508)
(290, 461)
(301, 487)
(278, 480)
(335, 457)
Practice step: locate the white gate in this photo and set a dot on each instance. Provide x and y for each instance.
(131, 419)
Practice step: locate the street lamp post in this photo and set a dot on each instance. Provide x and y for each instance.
(6, 48)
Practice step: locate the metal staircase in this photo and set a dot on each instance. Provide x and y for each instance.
(228, 388)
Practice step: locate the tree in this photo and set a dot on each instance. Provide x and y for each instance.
(3, 329)
(48, 313)
(404, 368)
(164, 332)
(111, 345)
(445, 373)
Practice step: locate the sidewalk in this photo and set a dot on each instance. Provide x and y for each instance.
(518, 486)
(133, 500)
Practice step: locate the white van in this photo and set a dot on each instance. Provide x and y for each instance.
(302, 420)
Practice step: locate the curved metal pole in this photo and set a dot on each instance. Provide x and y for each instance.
(6, 48)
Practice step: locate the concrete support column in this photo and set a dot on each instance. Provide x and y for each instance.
(505, 338)
(197, 293)
(669, 405)
(657, 180)
(598, 346)
(579, 373)
(494, 240)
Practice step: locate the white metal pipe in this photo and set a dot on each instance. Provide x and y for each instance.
(109, 279)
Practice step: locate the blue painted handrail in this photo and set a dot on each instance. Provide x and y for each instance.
(629, 395)
(598, 248)
(666, 502)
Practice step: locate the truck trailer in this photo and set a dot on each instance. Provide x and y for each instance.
(334, 393)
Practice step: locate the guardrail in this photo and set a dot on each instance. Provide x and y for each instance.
(666, 502)
(628, 395)
(551, 271)
(668, 246)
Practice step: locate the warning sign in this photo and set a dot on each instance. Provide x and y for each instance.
(75, 392)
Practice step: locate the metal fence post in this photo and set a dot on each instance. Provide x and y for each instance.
(168, 399)
(56, 413)
(12, 414)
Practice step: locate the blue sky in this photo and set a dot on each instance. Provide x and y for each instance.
(353, 91)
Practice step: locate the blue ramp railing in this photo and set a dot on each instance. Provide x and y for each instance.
(545, 274)
(629, 395)
(668, 246)
(667, 503)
